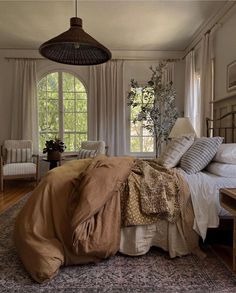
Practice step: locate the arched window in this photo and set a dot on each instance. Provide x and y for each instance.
(62, 106)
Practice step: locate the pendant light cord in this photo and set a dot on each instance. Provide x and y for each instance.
(76, 8)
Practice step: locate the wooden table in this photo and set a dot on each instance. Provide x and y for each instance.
(228, 202)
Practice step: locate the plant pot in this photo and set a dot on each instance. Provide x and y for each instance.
(54, 156)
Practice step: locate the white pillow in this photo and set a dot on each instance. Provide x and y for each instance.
(221, 169)
(175, 150)
(226, 153)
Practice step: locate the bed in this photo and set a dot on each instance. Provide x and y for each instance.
(57, 227)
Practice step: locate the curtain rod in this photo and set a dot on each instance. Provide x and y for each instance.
(124, 59)
(24, 58)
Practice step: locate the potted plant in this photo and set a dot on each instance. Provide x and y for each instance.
(54, 148)
(158, 112)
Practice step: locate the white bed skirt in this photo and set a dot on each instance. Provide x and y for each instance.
(137, 240)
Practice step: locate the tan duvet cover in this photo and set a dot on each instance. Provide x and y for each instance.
(70, 220)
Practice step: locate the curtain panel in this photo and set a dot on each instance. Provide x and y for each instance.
(107, 106)
(207, 83)
(192, 102)
(24, 121)
(199, 94)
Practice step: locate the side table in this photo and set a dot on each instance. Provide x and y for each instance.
(228, 202)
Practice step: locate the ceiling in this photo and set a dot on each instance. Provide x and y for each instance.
(149, 25)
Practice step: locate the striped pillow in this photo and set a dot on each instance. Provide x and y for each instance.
(200, 154)
(19, 155)
(83, 154)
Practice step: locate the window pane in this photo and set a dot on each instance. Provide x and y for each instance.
(52, 95)
(42, 85)
(81, 96)
(42, 121)
(148, 144)
(79, 139)
(53, 115)
(52, 82)
(69, 140)
(135, 129)
(42, 140)
(81, 105)
(81, 122)
(146, 132)
(135, 143)
(68, 82)
(69, 105)
(69, 96)
(69, 122)
(42, 105)
(134, 112)
(79, 87)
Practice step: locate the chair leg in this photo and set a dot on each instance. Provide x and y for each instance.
(1, 184)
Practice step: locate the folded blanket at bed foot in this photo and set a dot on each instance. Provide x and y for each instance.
(75, 214)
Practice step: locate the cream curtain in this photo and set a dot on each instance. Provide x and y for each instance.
(107, 105)
(192, 102)
(24, 103)
(207, 86)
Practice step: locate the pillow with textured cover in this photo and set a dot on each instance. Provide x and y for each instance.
(199, 155)
(19, 155)
(83, 154)
(226, 153)
(175, 150)
(221, 169)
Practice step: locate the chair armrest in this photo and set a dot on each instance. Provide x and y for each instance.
(37, 158)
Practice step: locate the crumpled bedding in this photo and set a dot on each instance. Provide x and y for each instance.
(74, 216)
(57, 227)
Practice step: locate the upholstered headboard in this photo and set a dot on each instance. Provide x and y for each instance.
(224, 119)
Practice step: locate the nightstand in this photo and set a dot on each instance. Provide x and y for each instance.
(228, 202)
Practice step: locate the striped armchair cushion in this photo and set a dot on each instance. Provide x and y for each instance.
(199, 155)
(19, 155)
(83, 154)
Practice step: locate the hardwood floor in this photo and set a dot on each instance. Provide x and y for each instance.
(13, 191)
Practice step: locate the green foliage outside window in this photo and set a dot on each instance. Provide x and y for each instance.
(62, 102)
(153, 112)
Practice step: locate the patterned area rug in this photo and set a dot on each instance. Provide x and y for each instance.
(151, 273)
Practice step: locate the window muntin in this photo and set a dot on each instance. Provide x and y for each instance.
(62, 109)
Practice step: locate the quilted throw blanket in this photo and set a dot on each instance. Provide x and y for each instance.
(151, 192)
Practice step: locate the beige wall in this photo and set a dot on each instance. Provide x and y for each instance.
(132, 69)
(225, 53)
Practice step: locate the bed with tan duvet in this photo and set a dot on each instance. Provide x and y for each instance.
(88, 210)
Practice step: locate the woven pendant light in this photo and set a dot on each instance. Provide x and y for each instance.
(75, 46)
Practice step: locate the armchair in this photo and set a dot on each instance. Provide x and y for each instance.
(17, 161)
(92, 149)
